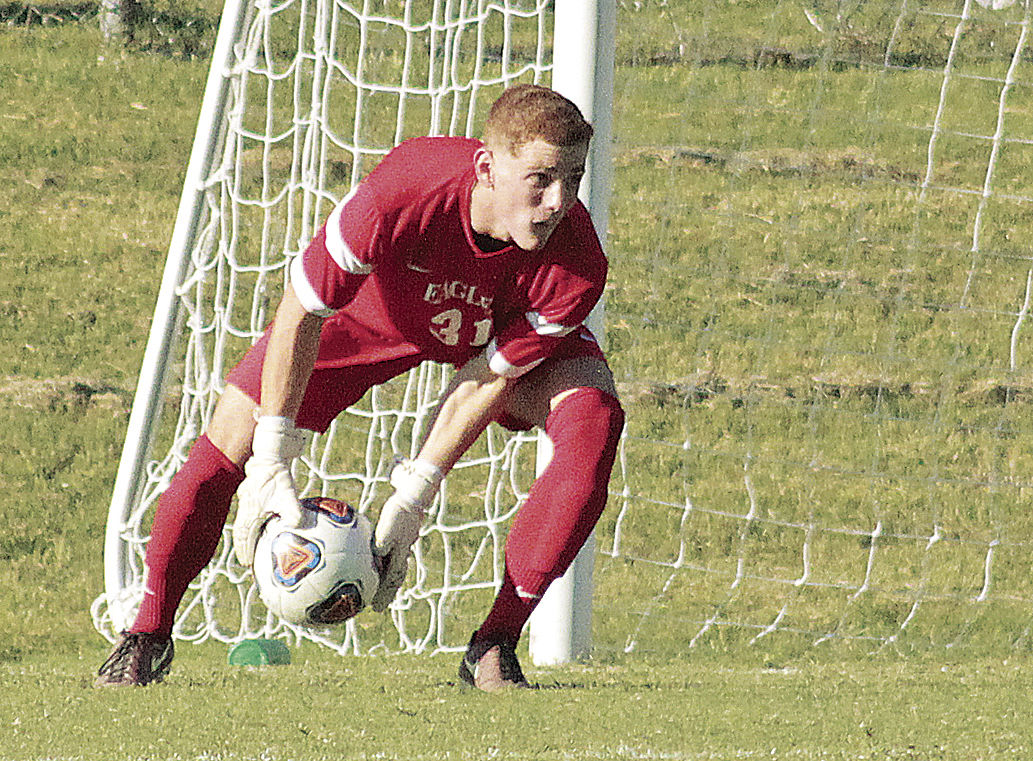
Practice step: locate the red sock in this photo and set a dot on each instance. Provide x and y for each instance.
(562, 508)
(508, 614)
(187, 527)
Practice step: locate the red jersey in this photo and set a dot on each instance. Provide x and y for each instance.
(398, 273)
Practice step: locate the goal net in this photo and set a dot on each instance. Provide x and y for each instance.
(818, 317)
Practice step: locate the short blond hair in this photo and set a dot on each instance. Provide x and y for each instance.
(524, 113)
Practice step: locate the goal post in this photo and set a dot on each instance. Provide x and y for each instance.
(145, 414)
(583, 69)
(302, 98)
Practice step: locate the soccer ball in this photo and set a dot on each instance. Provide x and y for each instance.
(322, 572)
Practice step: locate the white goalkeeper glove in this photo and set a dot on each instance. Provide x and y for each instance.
(268, 487)
(416, 482)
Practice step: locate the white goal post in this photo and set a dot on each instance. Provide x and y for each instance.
(583, 70)
(302, 97)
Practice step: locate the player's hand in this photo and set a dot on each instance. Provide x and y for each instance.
(398, 528)
(268, 488)
(416, 482)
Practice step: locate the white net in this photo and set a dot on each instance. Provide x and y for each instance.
(818, 321)
(319, 91)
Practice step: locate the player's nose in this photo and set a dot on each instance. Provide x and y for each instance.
(552, 199)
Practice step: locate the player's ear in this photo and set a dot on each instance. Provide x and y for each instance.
(484, 167)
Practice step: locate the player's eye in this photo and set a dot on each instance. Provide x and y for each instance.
(540, 180)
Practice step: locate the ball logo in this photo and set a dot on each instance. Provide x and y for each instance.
(341, 513)
(344, 602)
(294, 558)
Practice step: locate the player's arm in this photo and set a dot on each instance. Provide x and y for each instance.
(290, 357)
(324, 278)
(268, 488)
(469, 404)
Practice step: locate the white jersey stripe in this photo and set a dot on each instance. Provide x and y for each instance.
(502, 366)
(305, 292)
(545, 328)
(339, 250)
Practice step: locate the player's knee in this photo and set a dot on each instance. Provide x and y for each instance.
(232, 425)
(588, 420)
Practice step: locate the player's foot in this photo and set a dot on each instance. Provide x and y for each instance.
(139, 658)
(492, 666)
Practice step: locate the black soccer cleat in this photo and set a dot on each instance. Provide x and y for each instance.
(139, 658)
(492, 666)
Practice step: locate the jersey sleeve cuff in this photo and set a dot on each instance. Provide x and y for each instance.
(543, 327)
(305, 292)
(501, 366)
(337, 246)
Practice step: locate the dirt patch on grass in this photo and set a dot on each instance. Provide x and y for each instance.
(62, 393)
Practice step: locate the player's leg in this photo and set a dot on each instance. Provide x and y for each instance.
(187, 526)
(192, 511)
(188, 523)
(575, 402)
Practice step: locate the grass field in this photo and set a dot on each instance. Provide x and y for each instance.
(779, 298)
(410, 708)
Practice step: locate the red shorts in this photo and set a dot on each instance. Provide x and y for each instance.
(332, 390)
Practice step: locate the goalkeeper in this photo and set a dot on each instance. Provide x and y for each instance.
(476, 254)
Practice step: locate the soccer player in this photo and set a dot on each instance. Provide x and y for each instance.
(477, 254)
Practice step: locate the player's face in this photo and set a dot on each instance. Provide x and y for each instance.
(531, 190)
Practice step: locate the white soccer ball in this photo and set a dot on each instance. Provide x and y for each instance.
(322, 572)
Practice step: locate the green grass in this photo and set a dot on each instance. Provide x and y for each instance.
(410, 708)
(784, 301)
(93, 154)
